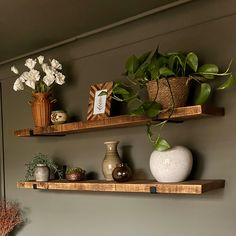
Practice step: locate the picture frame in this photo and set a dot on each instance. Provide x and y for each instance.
(99, 107)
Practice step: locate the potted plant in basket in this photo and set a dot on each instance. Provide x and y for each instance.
(166, 77)
(41, 80)
(36, 168)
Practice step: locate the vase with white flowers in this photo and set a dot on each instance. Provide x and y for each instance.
(40, 78)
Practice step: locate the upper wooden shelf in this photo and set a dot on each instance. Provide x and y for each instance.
(178, 114)
(139, 186)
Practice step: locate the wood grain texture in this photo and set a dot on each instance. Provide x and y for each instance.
(191, 112)
(94, 88)
(24, 132)
(179, 114)
(139, 186)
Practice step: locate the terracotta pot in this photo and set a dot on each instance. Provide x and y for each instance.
(170, 92)
(41, 109)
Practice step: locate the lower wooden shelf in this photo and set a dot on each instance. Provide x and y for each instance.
(139, 186)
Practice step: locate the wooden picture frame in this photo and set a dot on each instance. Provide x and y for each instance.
(99, 106)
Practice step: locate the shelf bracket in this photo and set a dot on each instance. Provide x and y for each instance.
(35, 186)
(153, 190)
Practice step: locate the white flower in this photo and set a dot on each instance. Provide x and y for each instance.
(40, 59)
(48, 79)
(47, 69)
(59, 78)
(18, 85)
(30, 63)
(37, 81)
(55, 64)
(30, 78)
(14, 70)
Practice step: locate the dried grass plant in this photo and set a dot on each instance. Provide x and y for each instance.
(10, 216)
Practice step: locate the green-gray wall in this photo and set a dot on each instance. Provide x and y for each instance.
(206, 27)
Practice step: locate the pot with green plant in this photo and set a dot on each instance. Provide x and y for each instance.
(166, 77)
(40, 168)
(75, 174)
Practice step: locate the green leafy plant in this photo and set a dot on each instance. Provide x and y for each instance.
(41, 159)
(155, 66)
(75, 170)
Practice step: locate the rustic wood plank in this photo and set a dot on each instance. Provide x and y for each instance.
(179, 114)
(191, 112)
(79, 127)
(24, 132)
(139, 186)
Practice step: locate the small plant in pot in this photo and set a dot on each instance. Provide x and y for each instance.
(75, 174)
(40, 168)
(166, 78)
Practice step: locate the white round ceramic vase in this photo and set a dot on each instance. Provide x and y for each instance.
(171, 166)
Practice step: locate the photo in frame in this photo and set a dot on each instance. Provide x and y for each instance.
(99, 106)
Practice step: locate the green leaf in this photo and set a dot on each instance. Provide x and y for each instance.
(176, 62)
(137, 112)
(153, 109)
(140, 73)
(144, 57)
(161, 145)
(134, 104)
(208, 70)
(165, 72)
(120, 90)
(203, 95)
(132, 64)
(192, 61)
(103, 93)
(228, 83)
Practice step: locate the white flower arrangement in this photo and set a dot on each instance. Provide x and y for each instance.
(33, 78)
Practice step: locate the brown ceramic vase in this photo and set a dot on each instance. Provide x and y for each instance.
(41, 109)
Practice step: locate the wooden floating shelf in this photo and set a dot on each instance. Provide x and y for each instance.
(139, 186)
(178, 114)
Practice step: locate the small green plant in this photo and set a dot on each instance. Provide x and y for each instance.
(41, 159)
(74, 170)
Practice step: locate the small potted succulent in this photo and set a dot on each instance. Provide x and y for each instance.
(35, 169)
(75, 174)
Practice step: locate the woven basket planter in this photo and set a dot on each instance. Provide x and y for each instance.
(161, 90)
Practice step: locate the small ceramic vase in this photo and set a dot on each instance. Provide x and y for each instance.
(122, 173)
(41, 173)
(173, 165)
(58, 117)
(111, 159)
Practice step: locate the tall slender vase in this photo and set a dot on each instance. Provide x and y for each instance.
(41, 109)
(111, 159)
